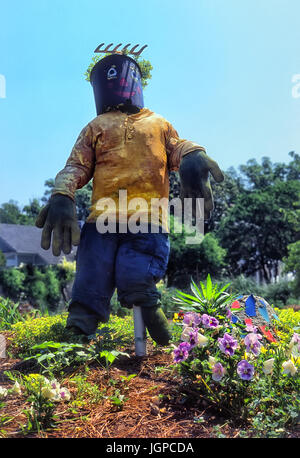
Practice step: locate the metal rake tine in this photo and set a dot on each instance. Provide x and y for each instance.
(107, 48)
(98, 49)
(132, 49)
(125, 47)
(116, 47)
(140, 51)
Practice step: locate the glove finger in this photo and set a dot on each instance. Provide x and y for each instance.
(208, 199)
(215, 170)
(41, 218)
(46, 237)
(75, 234)
(67, 246)
(57, 240)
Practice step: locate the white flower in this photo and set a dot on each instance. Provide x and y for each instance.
(3, 392)
(48, 393)
(289, 367)
(202, 340)
(16, 389)
(268, 366)
(65, 394)
(212, 361)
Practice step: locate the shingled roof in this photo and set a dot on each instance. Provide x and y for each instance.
(16, 238)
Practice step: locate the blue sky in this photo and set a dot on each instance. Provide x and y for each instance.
(222, 75)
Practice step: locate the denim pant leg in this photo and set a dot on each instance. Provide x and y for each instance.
(140, 263)
(94, 281)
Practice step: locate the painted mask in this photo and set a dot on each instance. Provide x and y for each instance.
(116, 81)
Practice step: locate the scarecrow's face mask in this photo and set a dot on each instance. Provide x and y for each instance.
(116, 81)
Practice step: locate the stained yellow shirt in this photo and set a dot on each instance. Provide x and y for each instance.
(132, 152)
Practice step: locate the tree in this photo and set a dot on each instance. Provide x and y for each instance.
(264, 220)
(193, 260)
(292, 264)
(11, 213)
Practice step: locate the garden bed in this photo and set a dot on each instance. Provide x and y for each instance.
(154, 406)
(222, 376)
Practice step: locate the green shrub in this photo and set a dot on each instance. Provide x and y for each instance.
(36, 331)
(277, 294)
(9, 313)
(13, 282)
(195, 261)
(168, 304)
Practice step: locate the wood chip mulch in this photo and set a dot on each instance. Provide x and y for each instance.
(153, 408)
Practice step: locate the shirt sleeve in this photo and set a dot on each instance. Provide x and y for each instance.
(79, 167)
(177, 148)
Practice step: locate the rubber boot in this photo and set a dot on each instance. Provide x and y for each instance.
(157, 324)
(81, 321)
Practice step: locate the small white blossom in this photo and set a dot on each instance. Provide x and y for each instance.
(268, 366)
(289, 367)
(16, 389)
(3, 392)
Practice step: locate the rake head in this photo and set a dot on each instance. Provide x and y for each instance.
(116, 50)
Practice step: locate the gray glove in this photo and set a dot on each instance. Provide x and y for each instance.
(59, 216)
(194, 177)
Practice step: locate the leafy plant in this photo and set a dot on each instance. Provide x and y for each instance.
(85, 392)
(9, 313)
(207, 298)
(110, 356)
(43, 394)
(56, 356)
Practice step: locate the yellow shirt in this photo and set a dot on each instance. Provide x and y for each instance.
(132, 152)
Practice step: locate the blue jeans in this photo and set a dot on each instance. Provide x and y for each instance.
(132, 263)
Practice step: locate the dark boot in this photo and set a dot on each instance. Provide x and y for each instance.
(157, 324)
(81, 320)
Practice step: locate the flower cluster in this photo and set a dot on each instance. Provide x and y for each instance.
(228, 347)
(49, 389)
(16, 389)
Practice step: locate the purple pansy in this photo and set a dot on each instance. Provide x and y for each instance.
(218, 372)
(181, 352)
(245, 370)
(252, 343)
(227, 344)
(251, 328)
(209, 321)
(192, 319)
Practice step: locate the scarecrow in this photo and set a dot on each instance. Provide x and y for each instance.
(126, 147)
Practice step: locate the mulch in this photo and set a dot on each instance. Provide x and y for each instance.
(155, 406)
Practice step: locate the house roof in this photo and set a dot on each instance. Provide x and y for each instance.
(27, 239)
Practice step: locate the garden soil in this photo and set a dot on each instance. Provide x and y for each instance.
(155, 405)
